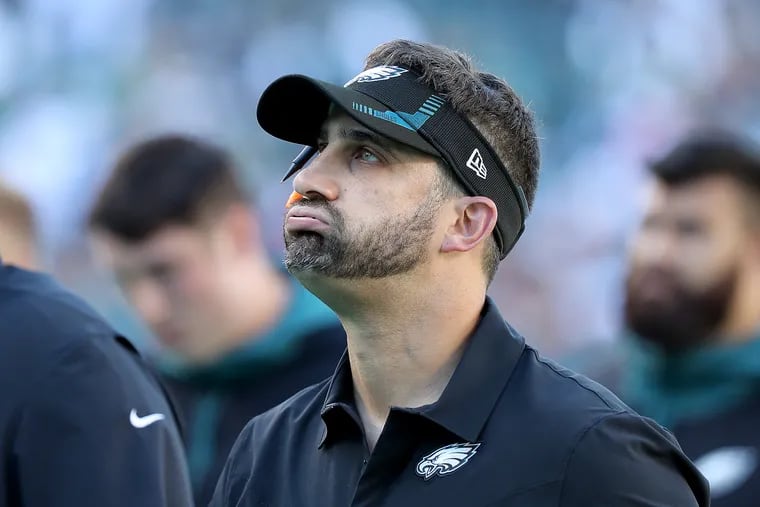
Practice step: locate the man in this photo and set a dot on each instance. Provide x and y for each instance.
(175, 226)
(403, 217)
(18, 239)
(693, 307)
(82, 421)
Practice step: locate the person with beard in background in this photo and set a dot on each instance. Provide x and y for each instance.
(423, 173)
(692, 306)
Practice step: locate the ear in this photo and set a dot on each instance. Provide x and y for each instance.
(475, 220)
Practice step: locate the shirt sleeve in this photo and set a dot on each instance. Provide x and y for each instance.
(625, 460)
(76, 445)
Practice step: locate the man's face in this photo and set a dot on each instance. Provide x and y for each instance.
(685, 261)
(174, 281)
(371, 207)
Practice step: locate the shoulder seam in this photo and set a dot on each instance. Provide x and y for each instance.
(585, 388)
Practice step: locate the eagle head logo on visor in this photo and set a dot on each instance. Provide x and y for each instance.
(446, 460)
(381, 73)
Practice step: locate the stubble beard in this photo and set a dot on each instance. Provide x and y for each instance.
(391, 247)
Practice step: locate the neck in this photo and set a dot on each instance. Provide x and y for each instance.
(405, 339)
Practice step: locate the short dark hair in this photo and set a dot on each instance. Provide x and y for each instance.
(486, 100)
(167, 180)
(712, 152)
(707, 153)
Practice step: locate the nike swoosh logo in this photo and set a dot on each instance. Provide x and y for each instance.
(146, 420)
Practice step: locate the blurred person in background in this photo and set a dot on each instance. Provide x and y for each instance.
(18, 237)
(83, 420)
(176, 228)
(692, 306)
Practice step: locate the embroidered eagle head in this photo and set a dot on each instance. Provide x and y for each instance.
(445, 460)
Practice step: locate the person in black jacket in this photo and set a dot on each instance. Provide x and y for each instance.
(180, 233)
(423, 173)
(82, 420)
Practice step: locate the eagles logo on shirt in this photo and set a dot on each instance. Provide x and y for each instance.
(446, 460)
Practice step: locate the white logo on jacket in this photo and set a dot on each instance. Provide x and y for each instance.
(146, 420)
(727, 468)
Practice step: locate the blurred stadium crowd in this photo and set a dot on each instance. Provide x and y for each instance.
(612, 83)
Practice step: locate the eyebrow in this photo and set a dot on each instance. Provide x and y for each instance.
(362, 136)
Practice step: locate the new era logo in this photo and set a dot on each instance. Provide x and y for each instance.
(475, 162)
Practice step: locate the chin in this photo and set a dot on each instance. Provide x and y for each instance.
(326, 286)
(314, 278)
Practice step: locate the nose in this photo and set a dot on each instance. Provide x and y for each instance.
(656, 249)
(318, 178)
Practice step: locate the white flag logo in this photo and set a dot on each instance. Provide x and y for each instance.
(475, 162)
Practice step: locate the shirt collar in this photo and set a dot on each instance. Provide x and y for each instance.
(339, 407)
(490, 356)
(486, 365)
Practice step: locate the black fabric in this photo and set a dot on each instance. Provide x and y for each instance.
(245, 396)
(725, 442)
(294, 108)
(69, 385)
(534, 434)
(733, 437)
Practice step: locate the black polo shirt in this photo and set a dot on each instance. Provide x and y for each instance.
(511, 428)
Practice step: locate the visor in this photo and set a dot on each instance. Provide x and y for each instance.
(392, 102)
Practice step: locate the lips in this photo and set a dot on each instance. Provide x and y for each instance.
(306, 219)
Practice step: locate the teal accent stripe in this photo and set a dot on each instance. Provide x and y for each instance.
(410, 121)
(202, 442)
